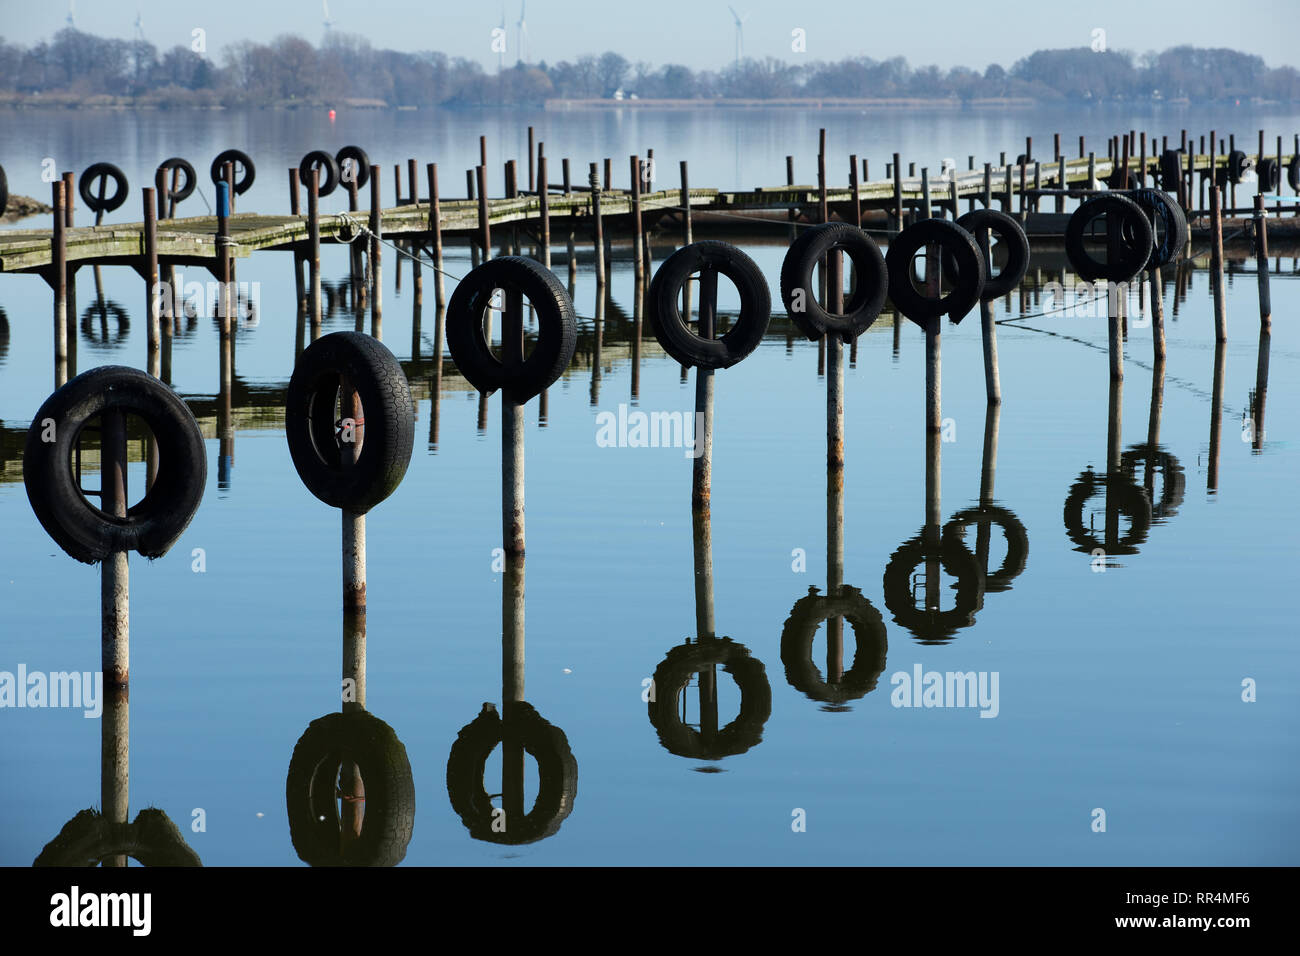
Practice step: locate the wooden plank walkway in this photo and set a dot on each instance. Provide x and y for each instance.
(192, 241)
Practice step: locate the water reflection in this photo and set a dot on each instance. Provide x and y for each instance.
(519, 730)
(700, 659)
(105, 836)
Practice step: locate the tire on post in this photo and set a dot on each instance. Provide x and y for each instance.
(153, 524)
(1238, 165)
(1169, 226)
(311, 796)
(360, 165)
(931, 625)
(557, 327)
(1011, 237)
(797, 289)
(969, 273)
(1135, 245)
(4, 191)
(241, 161)
(88, 839)
(327, 166)
(190, 178)
(103, 172)
(1013, 531)
(670, 326)
(316, 437)
(1131, 502)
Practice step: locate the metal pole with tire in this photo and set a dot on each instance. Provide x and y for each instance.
(350, 427)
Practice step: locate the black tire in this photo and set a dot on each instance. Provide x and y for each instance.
(152, 525)
(1293, 173)
(388, 417)
(1172, 167)
(1152, 459)
(103, 171)
(4, 334)
(927, 625)
(1135, 228)
(4, 191)
(1169, 225)
(870, 645)
(357, 155)
(240, 159)
(1270, 175)
(953, 240)
(1011, 237)
(1013, 531)
(671, 678)
(797, 288)
(1238, 165)
(103, 310)
(1133, 504)
(1116, 179)
(191, 178)
(311, 792)
(557, 327)
(328, 171)
(557, 769)
(88, 839)
(670, 327)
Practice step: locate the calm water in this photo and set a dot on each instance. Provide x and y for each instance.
(1119, 689)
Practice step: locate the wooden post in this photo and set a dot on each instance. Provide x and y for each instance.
(686, 206)
(153, 295)
(544, 209)
(857, 193)
(313, 252)
(593, 180)
(376, 256)
(1216, 266)
(988, 185)
(702, 467)
(898, 195)
(532, 181)
(609, 174)
(435, 230)
(512, 430)
(484, 227)
(637, 263)
(1265, 324)
(564, 166)
(59, 281)
(1061, 183)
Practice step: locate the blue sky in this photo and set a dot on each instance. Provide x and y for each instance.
(699, 33)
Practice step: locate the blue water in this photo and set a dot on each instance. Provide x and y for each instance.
(1120, 690)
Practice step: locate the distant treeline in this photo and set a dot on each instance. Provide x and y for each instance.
(76, 68)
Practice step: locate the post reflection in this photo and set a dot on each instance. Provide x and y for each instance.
(521, 732)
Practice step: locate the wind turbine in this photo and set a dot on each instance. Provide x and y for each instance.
(740, 33)
(523, 35)
(139, 27)
(329, 21)
(501, 54)
(70, 18)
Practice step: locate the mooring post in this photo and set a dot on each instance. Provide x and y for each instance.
(376, 256)
(153, 294)
(1216, 266)
(789, 181)
(300, 292)
(637, 263)
(593, 180)
(1216, 417)
(512, 430)
(686, 205)
(484, 228)
(115, 623)
(898, 194)
(1265, 323)
(1008, 200)
(435, 230)
(313, 252)
(564, 171)
(59, 280)
(988, 332)
(1062, 183)
(609, 173)
(702, 467)
(1116, 294)
(544, 208)
(857, 192)
(1142, 160)
(1092, 171)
